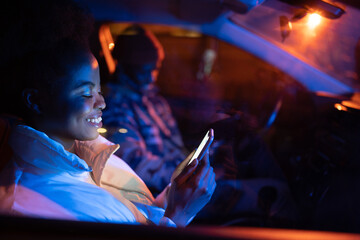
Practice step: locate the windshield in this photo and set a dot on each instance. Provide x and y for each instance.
(330, 45)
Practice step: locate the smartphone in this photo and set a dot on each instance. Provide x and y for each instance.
(204, 145)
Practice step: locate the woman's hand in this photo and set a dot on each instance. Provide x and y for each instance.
(191, 189)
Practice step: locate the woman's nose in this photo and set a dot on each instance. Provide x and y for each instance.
(100, 102)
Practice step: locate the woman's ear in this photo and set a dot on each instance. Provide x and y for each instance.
(31, 99)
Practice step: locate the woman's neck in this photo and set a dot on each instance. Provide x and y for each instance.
(69, 145)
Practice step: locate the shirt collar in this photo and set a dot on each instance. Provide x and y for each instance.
(29, 144)
(96, 153)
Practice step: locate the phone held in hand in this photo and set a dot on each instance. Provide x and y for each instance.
(204, 145)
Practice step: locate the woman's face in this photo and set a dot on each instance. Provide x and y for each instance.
(74, 112)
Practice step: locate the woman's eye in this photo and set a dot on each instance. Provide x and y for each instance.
(87, 95)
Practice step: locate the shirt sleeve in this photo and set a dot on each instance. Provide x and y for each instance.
(165, 221)
(155, 215)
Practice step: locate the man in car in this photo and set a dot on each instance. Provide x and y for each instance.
(140, 120)
(137, 117)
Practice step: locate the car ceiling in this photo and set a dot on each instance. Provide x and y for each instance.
(325, 59)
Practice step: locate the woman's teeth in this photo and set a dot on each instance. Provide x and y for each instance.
(94, 120)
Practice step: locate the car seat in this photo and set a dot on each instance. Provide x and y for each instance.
(5, 149)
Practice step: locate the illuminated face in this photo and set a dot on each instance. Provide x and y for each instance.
(75, 111)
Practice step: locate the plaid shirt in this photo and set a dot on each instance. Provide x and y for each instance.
(149, 139)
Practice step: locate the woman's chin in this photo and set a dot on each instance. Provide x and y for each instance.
(89, 137)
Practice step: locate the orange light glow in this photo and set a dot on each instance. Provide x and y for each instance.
(123, 130)
(94, 64)
(313, 20)
(273, 233)
(101, 130)
(340, 107)
(111, 46)
(106, 39)
(352, 104)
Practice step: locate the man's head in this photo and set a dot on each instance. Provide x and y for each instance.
(138, 55)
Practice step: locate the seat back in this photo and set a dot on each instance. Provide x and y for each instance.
(5, 149)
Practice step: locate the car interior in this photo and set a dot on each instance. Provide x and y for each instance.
(292, 66)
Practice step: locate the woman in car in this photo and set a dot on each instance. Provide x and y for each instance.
(61, 167)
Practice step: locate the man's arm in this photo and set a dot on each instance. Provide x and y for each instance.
(154, 169)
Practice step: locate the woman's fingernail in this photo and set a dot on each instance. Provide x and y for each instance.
(194, 162)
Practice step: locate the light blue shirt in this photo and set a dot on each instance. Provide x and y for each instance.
(44, 180)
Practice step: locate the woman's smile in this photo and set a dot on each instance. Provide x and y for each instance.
(95, 121)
